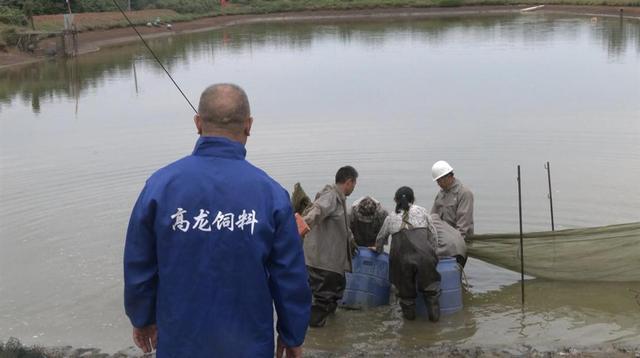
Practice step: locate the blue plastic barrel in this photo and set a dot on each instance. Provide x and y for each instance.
(368, 284)
(450, 286)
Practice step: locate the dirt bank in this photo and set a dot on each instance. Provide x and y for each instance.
(448, 351)
(92, 41)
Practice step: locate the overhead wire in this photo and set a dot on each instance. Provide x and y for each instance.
(154, 55)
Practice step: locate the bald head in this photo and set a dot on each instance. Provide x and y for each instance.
(224, 106)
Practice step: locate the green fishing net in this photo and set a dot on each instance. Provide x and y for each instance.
(607, 253)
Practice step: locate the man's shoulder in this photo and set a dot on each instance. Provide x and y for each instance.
(171, 170)
(264, 177)
(328, 192)
(260, 178)
(464, 190)
(188, 167)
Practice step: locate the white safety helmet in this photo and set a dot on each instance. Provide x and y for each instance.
(440, 169)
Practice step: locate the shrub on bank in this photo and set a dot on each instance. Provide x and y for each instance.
(11, 16)
(94, 6)
(186, 6)
(9, 36)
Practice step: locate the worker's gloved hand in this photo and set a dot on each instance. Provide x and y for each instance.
(303, 228)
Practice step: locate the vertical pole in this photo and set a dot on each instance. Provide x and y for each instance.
(27, 8)
(521, 242)
(63, 45)
(75, 41)
(69, 30)
(129, 6)
(76, 83)
(548, 167)
(135, 75)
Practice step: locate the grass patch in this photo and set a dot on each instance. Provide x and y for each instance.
(272, 6)
(106, 20)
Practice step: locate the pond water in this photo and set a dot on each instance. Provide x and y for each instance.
(79, 138)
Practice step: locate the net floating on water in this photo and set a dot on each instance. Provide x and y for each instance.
(607, 253)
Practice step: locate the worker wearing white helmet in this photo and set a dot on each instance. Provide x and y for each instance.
(454, 202)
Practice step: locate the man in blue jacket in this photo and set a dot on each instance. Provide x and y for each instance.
(212, 247)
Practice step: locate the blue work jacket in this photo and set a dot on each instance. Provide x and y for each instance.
(212, 246)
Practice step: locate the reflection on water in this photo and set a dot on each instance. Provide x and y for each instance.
(617, 37)
(68, 78)
(78, 139)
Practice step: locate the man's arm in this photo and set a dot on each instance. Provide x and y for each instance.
(381, 215)
(464, 214)
(288, 280)
(434, 208)
(383, 236)
(321, 208)
(140, 264)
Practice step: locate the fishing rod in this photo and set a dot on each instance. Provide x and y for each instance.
(154, 55)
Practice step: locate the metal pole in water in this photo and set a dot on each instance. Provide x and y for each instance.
(135, 75)
(550, 196)
(521, 242)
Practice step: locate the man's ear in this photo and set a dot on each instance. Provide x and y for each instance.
(247, 126)
(198, 121)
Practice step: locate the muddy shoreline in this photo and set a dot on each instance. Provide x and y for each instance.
(92, 41)
(444, 351)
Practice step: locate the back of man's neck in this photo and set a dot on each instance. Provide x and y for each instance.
(226, 134)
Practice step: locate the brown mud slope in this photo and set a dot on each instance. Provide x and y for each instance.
(445, 351)
(99, 19)
(91, 41)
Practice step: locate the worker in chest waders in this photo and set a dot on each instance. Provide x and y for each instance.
(212, 247)
(412, 258)
(329, 246)
(454, 203)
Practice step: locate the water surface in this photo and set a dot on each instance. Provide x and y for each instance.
(78, 139)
